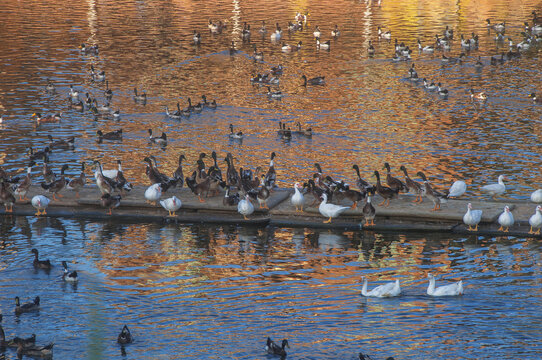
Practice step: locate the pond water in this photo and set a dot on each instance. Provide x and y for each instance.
(214, 292)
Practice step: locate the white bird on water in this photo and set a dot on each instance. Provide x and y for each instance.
(445, 290)
(472, 218)
(506, 219)
(495, 189)
(387, 290)
(330, 210)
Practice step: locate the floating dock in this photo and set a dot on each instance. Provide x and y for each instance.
(401, 215)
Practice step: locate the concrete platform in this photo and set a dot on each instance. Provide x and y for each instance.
(401, 215)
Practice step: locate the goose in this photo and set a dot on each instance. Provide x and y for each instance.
(297, 199)
(369, 211)
(390, 289)
(196, 38)
(479, 64)
(318, 80)
(416, 187)
(536, 196)
(22, 188)
(96, 75)
(160, 140)
(171, 205)
(141, 97)
(335, 32)
(277, 34)
(385, 35)
(42, 264)
(125, 337)
(429, 86)
(69, 276)
(472, 218)
(174, 115)
(42, 154)
(110, 202)
(445, 290)
(245, 33)
(233, 50)
(385, 192)
(258, 56)
(317, 32)
(245, 207)
(40, 202)
(495, 189)
(14, 343)
(74, 94)
(112, 135)
(441, 91)
(210, 105)
(427, 49)
(235, 135)
(506, 219)
(274, 349)
(263, 29)
(65, 144)
(291, 48)
(323, 45)
(274, 94)
(371, 49)
(50, 87)
(412, 73)
(34, 351)
(436, 197)
(457, 189)
(108, 93)
(536, 221)
(536, 99)
(330, 210)
(153, 193)
(479, 96)
(28, 307)
(79, 182)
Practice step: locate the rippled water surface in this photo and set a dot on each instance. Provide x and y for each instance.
(218, 292)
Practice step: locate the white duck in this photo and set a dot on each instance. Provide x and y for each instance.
(536, 221)
(245, 207)
(330, 210)
(506, 219)
(457, 189)
(445, 290)
(495, 189)
(297, 198)
(536, 196)
(40, 202)
(172, 204)
(153, 193)
(387, 290)
(472, 218)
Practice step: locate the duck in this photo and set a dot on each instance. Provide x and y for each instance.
(42, 264)
(458, 188)
(233, 50)
(441, 91)
(78, 183)
(104, 182)
(277, 95)
(495, 189)
(73, 94)
(291, 48)
(245, 33)
(160, 140)
(42, 154)
(385, 192)
(110, 202)
(317, 32)
(277, 34)
(472, 218)
(335, 32)
(178, 175)
(371, 49)
(153, 193)
(125, 337)
(14, 343)
(108, 93)
(56, 186)
(297, 199)
(384, 35)
(229, 199)
(535, 98)
(22, 188)
(369, 211)
(201, 186)
(96, 75)
(69, 276)
(196, 38)
(235, 135)
(305, 132)
(361, 183)
(171, 205)
(393, 182)
(478, 96)
(245, 207)
(454, 289)
(232, 176)
(274, 349)
(412, 73)
(271, 175)
(506, 219)
(390, 289)
(28, 307)
(47, 118)
(65, 144)
(263, 195)
(194, 108)
(210, 105)
(478, 64)
(6, 197)
(498, 27)
(263, 29)
(416, 187)
(174, 115)
(258, 56)
(427, 49)
(34, 351)
(50, 87)
(141, 97)
(436, 197)
(330, 210)
(536, 196)
(536, 221)
(112, 135)
(318, 80)
(40, 203)
(323, 45)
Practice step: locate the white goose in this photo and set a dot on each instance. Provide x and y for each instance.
(472, 218)
(536, 221)
(495, 189)
(40, 202)
(387, 290)
(245, 207)
(330, 210)
(171, 205)
(297, 198)
(536, 196)
(153, 193)
(457, 189)
(506, 219)
(445, 290)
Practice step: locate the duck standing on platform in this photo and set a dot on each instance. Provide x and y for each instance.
(369, 211)
(24, 185)
(536, 221)
(330, 210)
(506, 219)
(153, 193)
(6, 197)
(40, 202)
(171, 205)
(56, 186)
(297, 199)
(245, 207)
(472, 218)
(110, 201)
